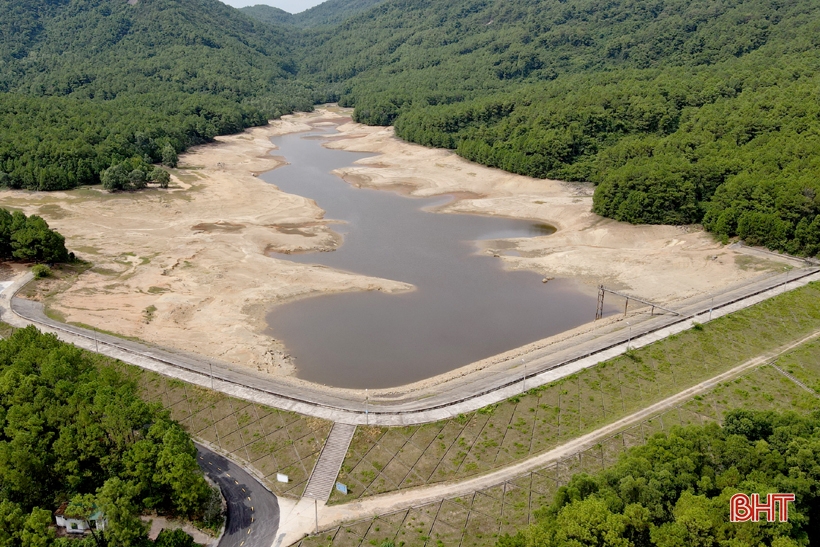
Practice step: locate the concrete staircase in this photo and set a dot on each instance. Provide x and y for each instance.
(327, 467)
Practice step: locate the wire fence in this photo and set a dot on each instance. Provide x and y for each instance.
(480, 518)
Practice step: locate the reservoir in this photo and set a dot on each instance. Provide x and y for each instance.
(465, 308)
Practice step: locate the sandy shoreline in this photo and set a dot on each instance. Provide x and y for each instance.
(189, 267)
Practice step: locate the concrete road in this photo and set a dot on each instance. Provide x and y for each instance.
(407, 407)
(253, 512)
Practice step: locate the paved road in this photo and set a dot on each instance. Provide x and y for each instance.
(253, 512)
(400, 407)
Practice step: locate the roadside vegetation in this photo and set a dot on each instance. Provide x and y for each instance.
(29, 239)
(268, 440)
(76, 431)
(519, 509)
(384, 459)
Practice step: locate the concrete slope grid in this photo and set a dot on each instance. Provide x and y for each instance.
(25, 312)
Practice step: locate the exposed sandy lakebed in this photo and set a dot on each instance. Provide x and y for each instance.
(188, 267)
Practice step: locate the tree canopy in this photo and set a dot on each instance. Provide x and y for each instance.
(89, 84)
(675, 489)
(328, 13)
(29, 239)
(680, 112)
(77, 432)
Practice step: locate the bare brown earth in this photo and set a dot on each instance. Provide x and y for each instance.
(661, 263)
(187, 267)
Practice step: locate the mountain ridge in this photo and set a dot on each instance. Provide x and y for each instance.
(666, 105)
(330, 12)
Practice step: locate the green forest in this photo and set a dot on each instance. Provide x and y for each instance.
(29, 239)
(76, 431)
(679, 111)
(675, 489)
(328, 13)
(89, 84)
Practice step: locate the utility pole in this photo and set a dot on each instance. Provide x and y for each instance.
(211, 366)
(366, 415)
(629, 340)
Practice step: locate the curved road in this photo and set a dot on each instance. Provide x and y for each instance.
(253, 512)
(439, 401)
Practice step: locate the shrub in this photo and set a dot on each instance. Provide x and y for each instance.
(40, 271)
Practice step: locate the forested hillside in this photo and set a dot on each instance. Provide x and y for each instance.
(92, 83)
(331, 12)
(103, 48)
(268, 14)
(77, 432)
(675, 490)
(681, 111)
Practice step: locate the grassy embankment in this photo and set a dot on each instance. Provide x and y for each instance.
(480, 518)
(383, 459)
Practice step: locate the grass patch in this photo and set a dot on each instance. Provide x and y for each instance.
(547, 416)
(479, 518)
(272, 441)
(148, 313)
(62, 276)
(758, 264)
(106, 271)
(6, 330)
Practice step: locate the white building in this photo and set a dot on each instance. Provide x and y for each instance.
(76, 525)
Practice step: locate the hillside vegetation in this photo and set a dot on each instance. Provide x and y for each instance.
(88, 84)
(675, 490)
(681, 112)
(331, 12)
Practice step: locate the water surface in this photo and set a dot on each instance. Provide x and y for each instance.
(465, 306)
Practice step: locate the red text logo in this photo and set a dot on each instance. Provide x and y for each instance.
(743, 508)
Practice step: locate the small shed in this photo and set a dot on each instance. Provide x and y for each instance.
(73, 524)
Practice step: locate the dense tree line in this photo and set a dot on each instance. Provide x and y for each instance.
(734, 145)
(56, 143)
(76, 432)
(675, 490)
(86, 85)
(29, 239)
(680, 111)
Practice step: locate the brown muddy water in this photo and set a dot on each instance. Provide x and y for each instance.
(465, 308)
